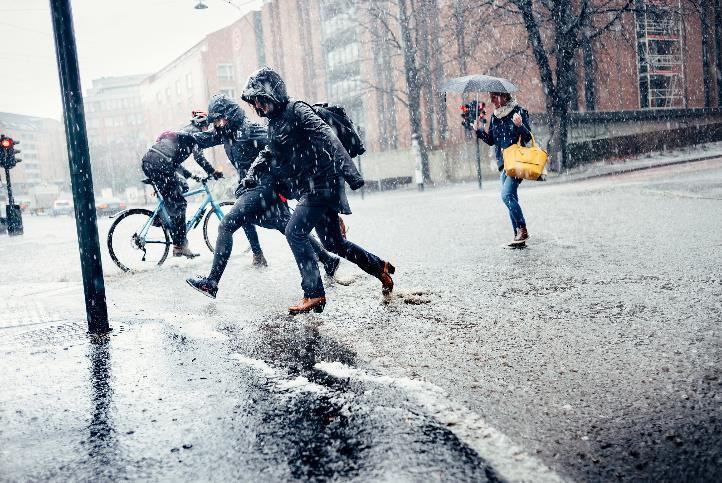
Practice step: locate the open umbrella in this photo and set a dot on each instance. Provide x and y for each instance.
(478, 83)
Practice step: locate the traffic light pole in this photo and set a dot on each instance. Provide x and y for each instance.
(80, 170)
(11, 201)
(14, 218)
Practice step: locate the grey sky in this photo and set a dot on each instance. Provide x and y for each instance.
(114, 37)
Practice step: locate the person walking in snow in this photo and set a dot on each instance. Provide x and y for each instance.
(508, 122)
(304, 152)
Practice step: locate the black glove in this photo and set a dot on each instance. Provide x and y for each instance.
(217, 174)
(248, 182)
(196, 178)
(357, 184)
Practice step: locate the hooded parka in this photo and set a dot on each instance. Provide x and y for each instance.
(242, 138)
(303, 150)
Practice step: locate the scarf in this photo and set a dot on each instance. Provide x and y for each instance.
(504, 111)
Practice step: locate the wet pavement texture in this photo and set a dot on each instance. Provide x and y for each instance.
(596, 349)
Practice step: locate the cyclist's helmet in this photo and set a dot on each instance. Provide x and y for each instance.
(199, 119)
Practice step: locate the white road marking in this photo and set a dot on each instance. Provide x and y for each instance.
(510, 461)
(280, 378)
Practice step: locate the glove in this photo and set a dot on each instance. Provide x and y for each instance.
(239, 190)
(196, 178)
(217, 174)
(248, 182)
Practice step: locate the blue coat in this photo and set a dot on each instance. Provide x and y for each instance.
(503, 133)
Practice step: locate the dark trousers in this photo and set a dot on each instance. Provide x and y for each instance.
(171, 188)
(258, 206)
(310, 214)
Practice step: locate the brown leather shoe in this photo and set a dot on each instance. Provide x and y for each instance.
(387, 283)
(259, 261)
(308, 304)
(344, 229)
(521, 237)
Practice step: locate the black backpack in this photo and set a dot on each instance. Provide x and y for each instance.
(342, 125)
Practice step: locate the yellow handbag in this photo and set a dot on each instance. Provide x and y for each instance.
(525, 163)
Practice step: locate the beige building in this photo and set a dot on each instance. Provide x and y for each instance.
(43, 153)
(116, 123)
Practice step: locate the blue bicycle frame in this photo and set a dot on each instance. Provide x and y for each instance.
(190, 224)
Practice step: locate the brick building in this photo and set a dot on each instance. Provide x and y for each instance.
(344, 51)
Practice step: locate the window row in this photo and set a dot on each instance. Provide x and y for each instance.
(342, 55)
(113, 104)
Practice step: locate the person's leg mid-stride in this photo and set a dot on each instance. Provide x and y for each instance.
(510, 198)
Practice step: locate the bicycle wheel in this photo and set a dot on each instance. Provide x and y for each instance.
(132, 251)
(211, 223)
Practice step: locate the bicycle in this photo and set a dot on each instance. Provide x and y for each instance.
(142, 233)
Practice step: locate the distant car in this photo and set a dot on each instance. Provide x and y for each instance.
(108, 206)
(61, 207)
(25, 205)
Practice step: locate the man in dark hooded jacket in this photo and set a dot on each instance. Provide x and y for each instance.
(160, 165)
(259, 204)
(305, 153)
(242, 140)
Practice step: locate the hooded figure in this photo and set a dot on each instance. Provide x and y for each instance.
(311, 159)
(304, 152)
(242, 139)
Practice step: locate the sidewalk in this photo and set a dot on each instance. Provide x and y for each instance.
(689, 154)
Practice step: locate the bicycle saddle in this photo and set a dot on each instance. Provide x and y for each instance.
(147, 181)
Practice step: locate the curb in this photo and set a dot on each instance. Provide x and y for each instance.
(629, 169)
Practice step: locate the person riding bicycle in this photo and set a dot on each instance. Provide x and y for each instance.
(258, 203)
(160, 164)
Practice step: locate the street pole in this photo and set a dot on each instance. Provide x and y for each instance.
(80, 170)
(478, 160)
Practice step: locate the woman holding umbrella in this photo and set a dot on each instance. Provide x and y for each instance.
(508, 122)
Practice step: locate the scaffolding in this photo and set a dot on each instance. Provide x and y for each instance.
(659, 54)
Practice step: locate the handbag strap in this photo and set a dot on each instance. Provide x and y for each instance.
(533, 141)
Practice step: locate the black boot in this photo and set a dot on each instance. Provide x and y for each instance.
(330, 265)
(259, 261)
(204, 285)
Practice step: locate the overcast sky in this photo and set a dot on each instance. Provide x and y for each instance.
(114, 37)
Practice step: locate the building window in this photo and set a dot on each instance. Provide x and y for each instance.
(178, 87)
(225, 71)
(659, 57)
(189, 81)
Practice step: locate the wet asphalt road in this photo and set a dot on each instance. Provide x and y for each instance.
(596, 350)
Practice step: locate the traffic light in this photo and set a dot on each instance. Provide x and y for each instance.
(8, 153)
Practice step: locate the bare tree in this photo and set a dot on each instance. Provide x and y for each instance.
(556, 31)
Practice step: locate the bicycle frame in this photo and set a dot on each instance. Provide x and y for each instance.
(190, 224)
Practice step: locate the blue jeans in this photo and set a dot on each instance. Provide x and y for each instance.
(316, 213)
(511, 200)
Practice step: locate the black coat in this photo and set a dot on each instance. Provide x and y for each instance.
(242, 139)
(302, 148)
(174, 147)
(190, 128)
